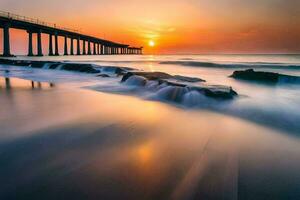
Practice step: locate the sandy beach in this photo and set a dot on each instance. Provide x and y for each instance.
(60, 141)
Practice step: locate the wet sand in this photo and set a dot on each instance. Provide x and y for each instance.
(62, 142)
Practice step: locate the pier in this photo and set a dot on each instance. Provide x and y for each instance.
(86, 44)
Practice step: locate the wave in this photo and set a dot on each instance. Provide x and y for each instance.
(233, 65)
(192, 99)
(171, 89)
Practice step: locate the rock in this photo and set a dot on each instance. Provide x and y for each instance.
(112, 69)
(148, 75)
(136, 81)
(216, 91)
(37, 64)
(265, 77)
(87, 68)
(120, 71)
(54, 65)
(103, 75)
(252, 75)
(169, 89)
(188, 79)
(161, 76)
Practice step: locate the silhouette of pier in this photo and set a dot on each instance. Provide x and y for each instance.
(86, 44)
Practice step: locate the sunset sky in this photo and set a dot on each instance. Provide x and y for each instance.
(175, 26)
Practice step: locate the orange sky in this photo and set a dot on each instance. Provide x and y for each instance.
(177, 26)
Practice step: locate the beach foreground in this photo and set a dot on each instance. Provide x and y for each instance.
(63, 142)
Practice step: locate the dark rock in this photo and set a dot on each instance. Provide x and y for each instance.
(37, 64)
(216, 91)
(160, 76)
(188, 79)
(136, 81)
(87, 68)
(54, 65)
(120, 71)
(148, 75)
(103, 75)
(174, 90)
(252, 75)
(126, 76)
(264, 77)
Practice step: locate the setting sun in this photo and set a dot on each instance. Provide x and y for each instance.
(151, 43)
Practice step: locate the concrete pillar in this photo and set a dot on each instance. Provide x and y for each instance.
(6, 41)
(56, 44)
(30, 51)
(89, 48)
(83, 48)
(72, 46)
(39, 44)
(66, 46)
(78, 46)
(50, 45)
(94, 50)
(98, 48)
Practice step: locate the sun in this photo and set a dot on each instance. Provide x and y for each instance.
(151, 43)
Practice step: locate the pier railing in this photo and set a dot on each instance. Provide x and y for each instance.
(35, 21)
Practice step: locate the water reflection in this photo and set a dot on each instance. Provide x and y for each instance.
(78, 144)
(17, 84)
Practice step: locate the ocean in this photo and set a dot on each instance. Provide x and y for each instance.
(75, 135)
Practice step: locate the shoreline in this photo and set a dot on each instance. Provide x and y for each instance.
(104, 145)
(176, 90)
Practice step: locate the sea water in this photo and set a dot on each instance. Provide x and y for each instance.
(79, 136)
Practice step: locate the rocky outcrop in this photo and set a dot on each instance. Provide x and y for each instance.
(161, 76)
(172, 88)
(87, 68)
(264, 77)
